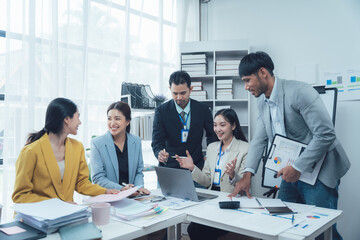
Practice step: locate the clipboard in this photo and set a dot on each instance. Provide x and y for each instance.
(284, 152)
(329, 97)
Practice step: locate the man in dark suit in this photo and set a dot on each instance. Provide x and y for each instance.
(179, 124)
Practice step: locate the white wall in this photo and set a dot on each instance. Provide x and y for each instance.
(323, 32)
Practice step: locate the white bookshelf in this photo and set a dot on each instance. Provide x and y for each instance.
(222, 51)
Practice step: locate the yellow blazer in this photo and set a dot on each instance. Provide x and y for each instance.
(38, 174)
(206, 176)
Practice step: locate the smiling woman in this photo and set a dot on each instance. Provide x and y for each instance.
(51, 165)
(116, 157)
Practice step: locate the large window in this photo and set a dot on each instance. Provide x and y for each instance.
(78, 49)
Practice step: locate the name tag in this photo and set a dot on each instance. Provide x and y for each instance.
(184, 135)
(217, 176)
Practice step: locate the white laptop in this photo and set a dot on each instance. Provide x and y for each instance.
(179, 183)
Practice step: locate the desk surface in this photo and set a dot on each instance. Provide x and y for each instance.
(254, 225)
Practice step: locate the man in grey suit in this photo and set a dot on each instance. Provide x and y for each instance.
(293, 109)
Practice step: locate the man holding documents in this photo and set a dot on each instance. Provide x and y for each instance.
(295, 110)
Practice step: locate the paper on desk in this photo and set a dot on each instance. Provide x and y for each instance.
(112, 197)
(313, 220)
(246, 202)
(48, 209)
(248, 220)
(130, 207)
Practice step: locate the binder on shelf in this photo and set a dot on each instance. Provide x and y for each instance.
(193, 61)
(196, 83)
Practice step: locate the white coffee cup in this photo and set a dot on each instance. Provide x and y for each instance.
(100, 213)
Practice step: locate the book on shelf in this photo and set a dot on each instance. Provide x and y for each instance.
(194, 67)
(227, 72)
(224, 81)
(197, 88)
(228, 62)
(193, 61)
(193, 56)
(196, 73)
(199, 95)
(219, 86)
(227, 67)
(196, 83)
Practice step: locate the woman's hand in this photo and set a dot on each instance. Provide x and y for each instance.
(126, 187)
(185, 162)
(230, 168)
(112, 191)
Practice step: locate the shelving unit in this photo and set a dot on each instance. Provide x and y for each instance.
(220, 51)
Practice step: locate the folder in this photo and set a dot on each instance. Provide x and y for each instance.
(30, 232)
(86, 231)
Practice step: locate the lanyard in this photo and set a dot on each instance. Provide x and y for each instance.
(184, 123)
(220, 155)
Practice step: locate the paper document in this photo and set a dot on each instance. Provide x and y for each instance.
(284, 152)
(112, 197)
(48, 209)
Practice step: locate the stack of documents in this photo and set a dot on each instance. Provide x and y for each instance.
(129, 209)
(49, 215)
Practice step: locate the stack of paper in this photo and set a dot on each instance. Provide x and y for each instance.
(227, 67)
(129, 209)
(194, 64)
(49, 215)
(224, 89)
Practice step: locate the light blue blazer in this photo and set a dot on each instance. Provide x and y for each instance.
(104, 162)
(306, 120)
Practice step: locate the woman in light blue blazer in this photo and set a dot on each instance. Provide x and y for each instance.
(116, 157)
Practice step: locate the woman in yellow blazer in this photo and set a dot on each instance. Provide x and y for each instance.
(52, 165)
(224, 165)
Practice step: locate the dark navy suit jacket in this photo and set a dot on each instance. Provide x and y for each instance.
(167, 132)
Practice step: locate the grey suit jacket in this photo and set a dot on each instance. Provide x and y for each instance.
(306, 120)
(104, 162)
(205, 177)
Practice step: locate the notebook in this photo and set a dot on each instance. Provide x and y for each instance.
(179, 183)
(24, 232)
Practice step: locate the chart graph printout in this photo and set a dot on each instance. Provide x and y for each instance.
(284, 152)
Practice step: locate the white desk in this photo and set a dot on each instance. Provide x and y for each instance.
(235, 222)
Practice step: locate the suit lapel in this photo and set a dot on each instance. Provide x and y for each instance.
(70, 162)
(131, 154)
(267, 121)
(110, 148)
(51, 164)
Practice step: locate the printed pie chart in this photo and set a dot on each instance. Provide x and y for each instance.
(277, 160)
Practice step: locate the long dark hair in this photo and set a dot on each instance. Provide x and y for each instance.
(124, 108)
(231, 117)
(56, 112)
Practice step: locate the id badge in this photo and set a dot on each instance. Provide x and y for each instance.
(184, 135)
(217, 176)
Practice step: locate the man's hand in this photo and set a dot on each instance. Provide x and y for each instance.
(289, 174)
(163, 156)
(243, 185)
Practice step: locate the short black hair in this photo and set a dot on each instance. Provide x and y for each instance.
(180, 77)
(251, 63)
